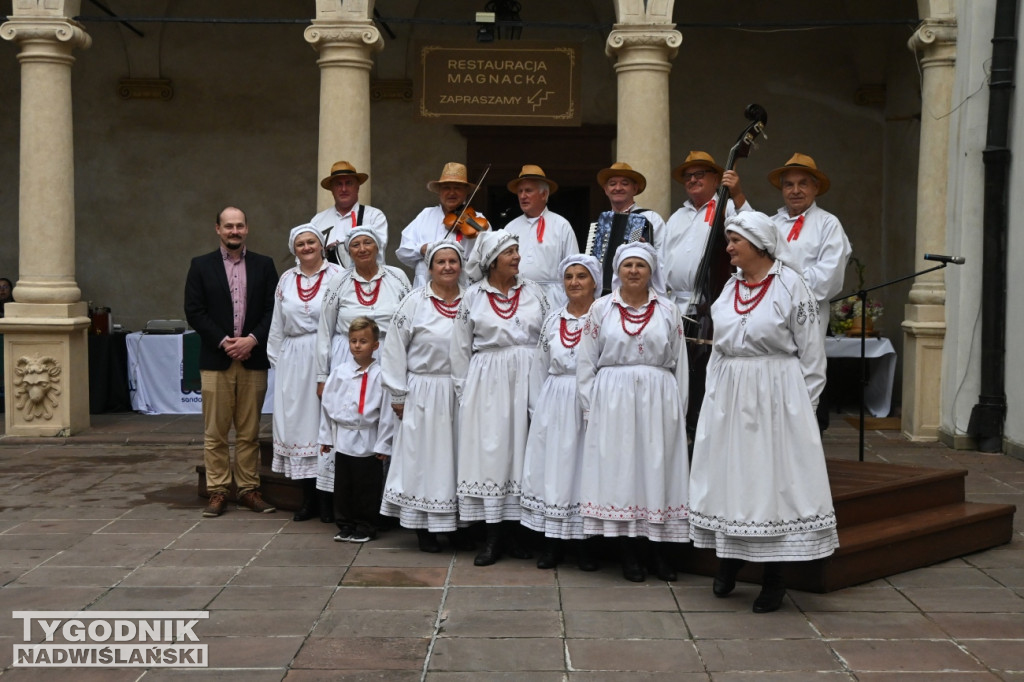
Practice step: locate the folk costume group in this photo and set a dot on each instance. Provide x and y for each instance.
(502, 388)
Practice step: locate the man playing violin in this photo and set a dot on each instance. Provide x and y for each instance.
(452, 188)
(688, 228)
(545, 238)
(347, 213)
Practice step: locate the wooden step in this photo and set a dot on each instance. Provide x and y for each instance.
(870, 491)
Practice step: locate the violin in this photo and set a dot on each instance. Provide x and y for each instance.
(468, 222)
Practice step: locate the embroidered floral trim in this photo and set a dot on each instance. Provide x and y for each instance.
(489, 488)
(554, 510)
(632, 513)
(764, 528)
(421, 503)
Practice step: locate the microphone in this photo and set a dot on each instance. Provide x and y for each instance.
(956, 260)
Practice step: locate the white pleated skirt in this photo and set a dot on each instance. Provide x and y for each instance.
(420, 488)
(635, 468)
(759, 488)
(493, 426)
(551, 470)
(296, 419)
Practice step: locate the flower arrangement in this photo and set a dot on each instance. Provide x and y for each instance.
(845, 313)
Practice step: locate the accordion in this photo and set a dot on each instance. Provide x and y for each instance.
(611, 231)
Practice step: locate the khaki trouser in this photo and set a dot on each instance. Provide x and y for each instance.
(234, 395)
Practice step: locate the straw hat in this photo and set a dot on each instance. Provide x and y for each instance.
(531, 172)
(800, 162)
(622, 169)
(343, 168)
(452, 172)
(695, 159)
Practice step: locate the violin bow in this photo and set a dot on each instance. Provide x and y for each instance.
(469, 201)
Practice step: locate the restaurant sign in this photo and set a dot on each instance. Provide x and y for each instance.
(518, 83)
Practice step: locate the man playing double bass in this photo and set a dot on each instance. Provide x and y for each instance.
(687, 230)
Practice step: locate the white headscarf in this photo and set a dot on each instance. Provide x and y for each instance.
(364, 232)
(299, 229)
(591, 263)
(488, 245)
(432, 250)
(639, 250)
(761, 231)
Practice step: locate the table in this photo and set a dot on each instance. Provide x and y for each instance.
(881, 358)
(108, 373)
(163, 374)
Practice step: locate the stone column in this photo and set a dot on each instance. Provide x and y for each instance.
(45, 353)
(345, 37)
(644, 40)
(642, 65)
(924, 328)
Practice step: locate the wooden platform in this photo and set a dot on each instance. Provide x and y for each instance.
(891, 519)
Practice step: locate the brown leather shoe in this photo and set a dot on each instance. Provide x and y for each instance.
(253, 500)
(216, 505)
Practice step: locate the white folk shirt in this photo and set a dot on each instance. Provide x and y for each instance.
(341, 306)
(606, 344)
(342, 426)
(336, 226)
(686, 237)
(293, 316)
(821, 252)
(418, 342)
(426, 228)
(539, 259)
(479, 328)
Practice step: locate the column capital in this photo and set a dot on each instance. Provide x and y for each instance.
(649, 36)
(44, 30)
(321, 34)
(935, 39)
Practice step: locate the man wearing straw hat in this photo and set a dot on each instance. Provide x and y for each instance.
(817, 242)
(347, 213)
(545, 238)
(452, 188)
(688, 228)
(816, 238)
(621, 184)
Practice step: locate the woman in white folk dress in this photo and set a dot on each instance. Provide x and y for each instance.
(759, 489)
(496, 332)
(367, 289)
(632, 373)
(551, 471)
(290, 348)
(416, 369)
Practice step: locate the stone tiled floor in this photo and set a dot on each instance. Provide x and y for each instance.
(109, 520)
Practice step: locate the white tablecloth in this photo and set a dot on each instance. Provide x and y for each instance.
(881, 358)
(155, 369)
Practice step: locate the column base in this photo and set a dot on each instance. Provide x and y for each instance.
(924, 334)
(46, 369)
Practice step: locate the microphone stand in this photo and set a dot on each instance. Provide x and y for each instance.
(862, 294)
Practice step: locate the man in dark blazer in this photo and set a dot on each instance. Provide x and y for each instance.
(229, 301)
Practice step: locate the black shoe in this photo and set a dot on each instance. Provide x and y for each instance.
(632, 569)
(552, 554)
(773, 589)
(427, 541)
(585, 560)
(725, 580)
(662, 566)
(309, 507)
(325, 501)
(492, 547)
(515, 545)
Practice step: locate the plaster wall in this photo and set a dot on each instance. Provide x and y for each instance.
(1014, 429)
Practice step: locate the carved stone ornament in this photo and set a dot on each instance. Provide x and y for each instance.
(145, 88)
(36, 388)
(357, 33)
(633, 36)
(933, 35)
(24, 30)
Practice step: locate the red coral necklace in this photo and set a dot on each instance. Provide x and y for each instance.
(307, 295)
(743, 306)
(367, 298)
(505, 308)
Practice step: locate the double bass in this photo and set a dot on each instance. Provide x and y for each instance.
(713, 272)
